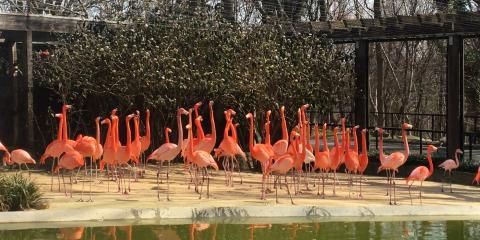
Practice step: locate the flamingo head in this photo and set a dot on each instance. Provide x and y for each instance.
(114, 111)
(305, 106)
(210, 104)
(148, 112)
(364, 130)
(188, 126)
(459, 151)
(348, 130)
(196, 106)
(105, 121)
(344, 120)
(379, 130)
(282, 110)
(182, 111)
(432, 148)
(130, 116)
(325, 126)
(168, 130)
(231, 111)
(269, 112)
(7, 158)
(137, 113)
(407, 126)
(199, 119)
(356, 127)
(66, 106)
(97, 119)
(236, 125)
(335, 130)
(59, 115)
(249, 116)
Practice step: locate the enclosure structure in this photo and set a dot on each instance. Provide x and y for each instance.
(453, 28)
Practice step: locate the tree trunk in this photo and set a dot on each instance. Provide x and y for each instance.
(377, 11)
(323, 10)
(228, 11)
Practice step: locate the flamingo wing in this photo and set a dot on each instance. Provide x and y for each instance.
(167, 151)
(448, 164)
(280, 147)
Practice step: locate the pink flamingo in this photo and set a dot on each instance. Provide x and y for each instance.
(19, 156)
(335, 158)
(322, 159)
(200, 158)
(450, 165)
(351, 157)
(168, 151)
(136, 145)
(99, 149)
(477, 177)
(421, 173)
(259, 152)
(395, 160)
(207, 142)
(70, 160)
(281, 146)
(109, 150)
(363, 158)
(145, 140)
(87, 146)
(124, 153)
(5, 150)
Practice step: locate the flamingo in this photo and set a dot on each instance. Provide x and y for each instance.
(337, 154)
(322, 159)
(5, 150)
(99, 149)
(207, 142)
(58, 146)
(124, 153)
(200, 133)
(335, 157)
(260, 153)
(145, 140)
(477, 177)
(351, 157)
(200, 158)
(87, 146)
(19, 156)
(168, 151)
(421, 173)
(281, 146)
(450, 165)
(70, 160)
(309, 157)
(363, 158)
(109, 150)
(136, 145)
(395, 160)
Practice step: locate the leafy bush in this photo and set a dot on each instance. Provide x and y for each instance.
(19, 193)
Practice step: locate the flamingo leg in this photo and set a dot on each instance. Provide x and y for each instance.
(71, 183)
(276, 189)
(158, 182)
(208, 182)
(53, 165)
(168, 182)
(323, 184)
(394, 188)
(64, 186)
(29, 174)
(288, 190)
(420, 192)
(108, 179)
(410, 193)
(451, 178)
(334, 181)
(83, 182)
(360, 183)
(91, 180)
(388, 181)
(443, 180)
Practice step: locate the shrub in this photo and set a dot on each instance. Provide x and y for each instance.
(18, 192)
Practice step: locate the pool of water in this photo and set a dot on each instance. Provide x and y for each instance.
(451, 229)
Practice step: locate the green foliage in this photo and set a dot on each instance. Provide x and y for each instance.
(178, 62)
(19, 193)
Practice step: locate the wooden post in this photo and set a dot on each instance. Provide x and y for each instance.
(455, 81)
(25, 108)
(361, 87)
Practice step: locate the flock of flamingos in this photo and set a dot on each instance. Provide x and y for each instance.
(292, 154)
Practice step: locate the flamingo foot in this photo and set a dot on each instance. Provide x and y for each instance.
(80, 200)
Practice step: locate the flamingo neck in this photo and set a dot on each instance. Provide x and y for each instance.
(317, 141)
(364, 145)
(347, 140)
(380, 147)
(405, 142)
(267, 134)
(307, 129)
(97, 135)
(108, 139)
(457, 163)
(65, 125)
(325, 143)
(129, 135)
(250, 139)
(190, 135)
(355, 141)
(335, 139)
(137, 129)
(167, 140)
(180, 131)
(212, 123)
(200, 133)
(284, 127)
(430, 163)
(60, 128)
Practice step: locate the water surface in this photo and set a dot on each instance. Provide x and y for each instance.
(451, 229)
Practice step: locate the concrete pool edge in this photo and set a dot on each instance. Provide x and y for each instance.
(206, 213)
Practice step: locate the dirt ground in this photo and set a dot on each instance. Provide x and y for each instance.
(143, 192)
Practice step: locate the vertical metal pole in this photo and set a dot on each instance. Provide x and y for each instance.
(455, 81)
(361, 87)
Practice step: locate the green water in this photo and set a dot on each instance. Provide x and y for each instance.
(322, 230)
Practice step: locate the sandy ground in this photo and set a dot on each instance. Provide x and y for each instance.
(143, 192)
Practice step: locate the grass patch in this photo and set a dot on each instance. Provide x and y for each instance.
(18, 192)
